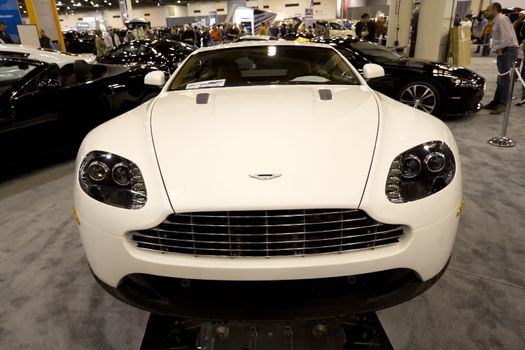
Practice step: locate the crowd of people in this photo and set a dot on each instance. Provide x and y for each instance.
(482, 27)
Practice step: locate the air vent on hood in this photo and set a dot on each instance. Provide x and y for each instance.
(325, 94)
(202, 98)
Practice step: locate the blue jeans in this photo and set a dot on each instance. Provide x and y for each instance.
(505, 63)
(523, 77)
(485, 40)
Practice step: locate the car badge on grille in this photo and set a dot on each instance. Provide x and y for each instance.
(265, 176)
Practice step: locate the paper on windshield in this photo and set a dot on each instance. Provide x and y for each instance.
(206, 84)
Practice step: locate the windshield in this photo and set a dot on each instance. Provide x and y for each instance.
(376, 51)
(264, 65)
(11, 73)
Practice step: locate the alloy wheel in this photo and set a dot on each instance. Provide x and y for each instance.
(419, 96)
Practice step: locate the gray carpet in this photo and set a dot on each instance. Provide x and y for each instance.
(49, 299)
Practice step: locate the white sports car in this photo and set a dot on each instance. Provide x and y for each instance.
(44, 55)
(270, 171)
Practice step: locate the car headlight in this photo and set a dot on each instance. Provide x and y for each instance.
(112, 180)
(420, 172)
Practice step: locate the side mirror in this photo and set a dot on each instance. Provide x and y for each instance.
(372, 70)
(48, 84)
(155, 78)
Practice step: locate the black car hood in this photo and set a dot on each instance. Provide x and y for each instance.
(440, 68)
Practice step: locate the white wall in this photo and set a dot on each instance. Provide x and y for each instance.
(512, 3)
(45, 18)
(326, 10)
(177, 11)
(206, 7)
(157, 17)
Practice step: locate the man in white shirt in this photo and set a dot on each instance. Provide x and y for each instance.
(505, 44)
(111, 39)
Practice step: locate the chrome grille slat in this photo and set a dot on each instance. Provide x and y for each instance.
(266, 225)
(267, 233)
(325, 253)
(274, 242)
(271, 216)
(270, 234)
(274, 249)
(275, 234)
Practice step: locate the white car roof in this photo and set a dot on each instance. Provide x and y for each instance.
(46, 55)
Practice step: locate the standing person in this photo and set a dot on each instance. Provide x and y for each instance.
(520, 33)
(4, 36)
(274, 30)
(242, 31)
(366, 28)
(215, 35)
(111, 39)
(188, 35)
(486, 35)
(262, 29)
(233, 33)
(519, 27)
(282, 31)
(505, 44)
(482, 23)
(45, 41)
(320, 30)
(380, 27)
(206, 37)
(100, 47)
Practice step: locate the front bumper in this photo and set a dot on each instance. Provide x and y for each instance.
(270, 300)
(424, 251)
(462, 101)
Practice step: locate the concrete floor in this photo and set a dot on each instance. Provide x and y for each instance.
(49, 299)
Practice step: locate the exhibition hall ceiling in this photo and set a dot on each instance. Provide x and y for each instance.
(72, 6)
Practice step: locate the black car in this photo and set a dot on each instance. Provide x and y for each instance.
(79, 42)
(434, 87)
(44, 108)
(161, 54)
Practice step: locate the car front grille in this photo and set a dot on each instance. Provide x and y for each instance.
(267, 233)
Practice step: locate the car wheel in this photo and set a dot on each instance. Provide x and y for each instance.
(421, 95)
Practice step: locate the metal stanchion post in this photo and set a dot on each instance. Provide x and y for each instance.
(503, 140)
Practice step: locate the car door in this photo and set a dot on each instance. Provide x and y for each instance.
(36, 109)
(22, 120)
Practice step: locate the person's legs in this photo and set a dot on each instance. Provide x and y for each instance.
(485, 51)
(522, 101)
(505, 62)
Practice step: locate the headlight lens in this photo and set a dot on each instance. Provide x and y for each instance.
(420, 172)
(113, 180)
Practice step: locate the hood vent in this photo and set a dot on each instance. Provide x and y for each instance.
(202, 98)
(325, 94)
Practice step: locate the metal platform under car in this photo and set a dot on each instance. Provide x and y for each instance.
(358, 332)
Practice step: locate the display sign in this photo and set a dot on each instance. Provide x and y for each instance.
(308, 18)
(123, 10)
(28, 35)
(11, 16)
(212, 18)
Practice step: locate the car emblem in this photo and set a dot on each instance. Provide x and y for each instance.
(265, 176)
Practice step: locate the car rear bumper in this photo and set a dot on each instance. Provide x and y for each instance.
(270, 300)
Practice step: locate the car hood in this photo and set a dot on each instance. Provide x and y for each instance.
(321, 150)
(442, 68)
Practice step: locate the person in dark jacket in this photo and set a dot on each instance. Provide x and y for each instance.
(4, 36)
(188, 35)
(45, 41)
(366, 28)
